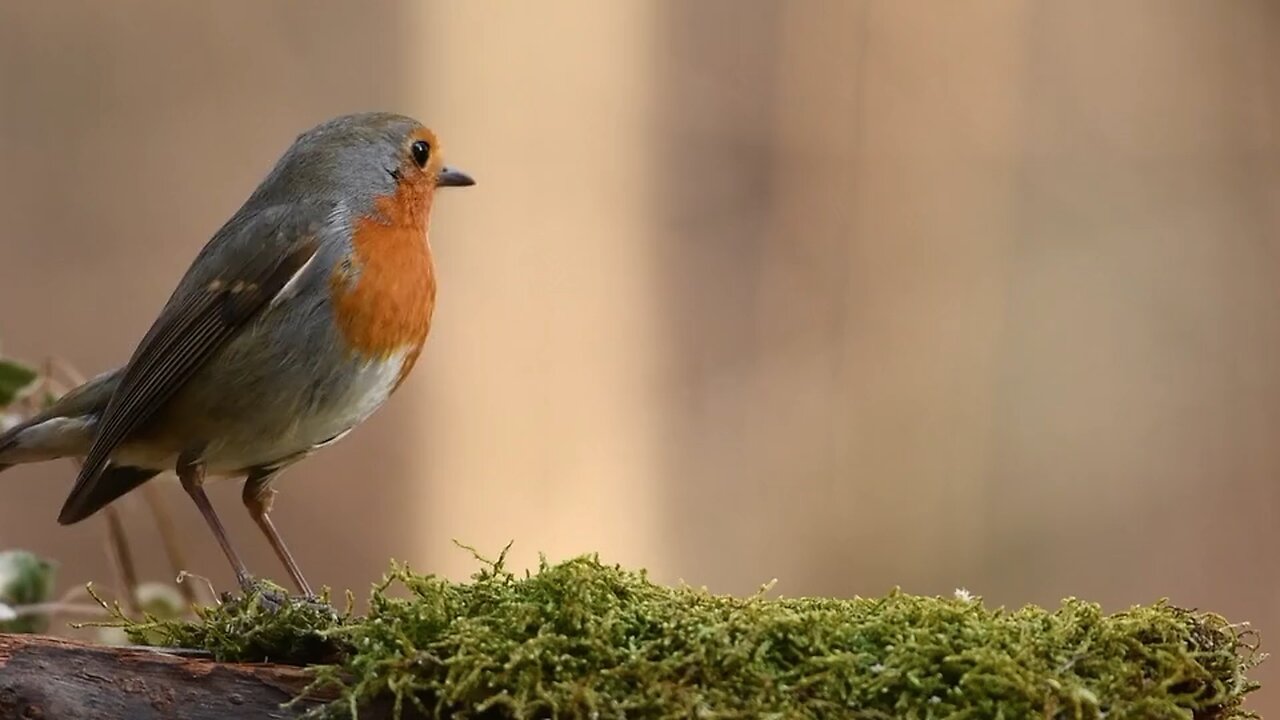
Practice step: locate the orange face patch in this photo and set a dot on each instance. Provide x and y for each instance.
(387, 309)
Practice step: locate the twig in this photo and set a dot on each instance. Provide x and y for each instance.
(121, 559)
(117, 540)
(57, 608)
(169, 536)
(184, 578)
(72, 593)
(119, 554)
(67, 369)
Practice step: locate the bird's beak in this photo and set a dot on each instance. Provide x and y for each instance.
(452, 177)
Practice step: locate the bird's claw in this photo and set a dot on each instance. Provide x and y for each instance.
(273, 598)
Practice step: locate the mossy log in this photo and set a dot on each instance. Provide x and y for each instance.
(46, 677)
(581, 639)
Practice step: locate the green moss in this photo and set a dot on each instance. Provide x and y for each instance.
(581, 639)
(262, 626)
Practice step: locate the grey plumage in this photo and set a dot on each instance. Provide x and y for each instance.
(224, 327)
(252, 364)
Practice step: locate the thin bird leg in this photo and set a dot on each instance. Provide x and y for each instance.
(258, 495)
(192, 476)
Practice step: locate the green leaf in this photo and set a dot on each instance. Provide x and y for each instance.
(25, 579)
(14, 379)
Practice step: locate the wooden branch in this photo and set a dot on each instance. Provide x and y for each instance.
(50, 678)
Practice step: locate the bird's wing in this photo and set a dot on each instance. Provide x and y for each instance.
(257, 257)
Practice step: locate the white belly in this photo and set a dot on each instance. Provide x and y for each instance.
(287, 424)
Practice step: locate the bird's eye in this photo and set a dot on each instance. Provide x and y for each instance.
(421, 153)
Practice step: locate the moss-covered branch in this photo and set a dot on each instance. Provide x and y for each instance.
(585, 640)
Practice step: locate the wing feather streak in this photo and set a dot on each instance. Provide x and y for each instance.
(262, 254)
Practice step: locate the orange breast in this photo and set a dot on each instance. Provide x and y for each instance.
(384, 297)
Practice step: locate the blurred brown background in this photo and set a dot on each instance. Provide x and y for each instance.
(850, 294)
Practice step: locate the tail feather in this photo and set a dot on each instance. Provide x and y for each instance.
(112, 483)
(63, 430)
(66, 429)
(9, 443)
(47, 439)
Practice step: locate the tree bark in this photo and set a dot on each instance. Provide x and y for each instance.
(51, 678)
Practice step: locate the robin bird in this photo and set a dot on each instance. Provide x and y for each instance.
(297, 320)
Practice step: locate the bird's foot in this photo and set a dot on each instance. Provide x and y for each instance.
(270, 596)
(273, 598)
(278, 626)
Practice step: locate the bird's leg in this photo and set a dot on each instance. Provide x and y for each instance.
(191, 473)
(257, 497)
